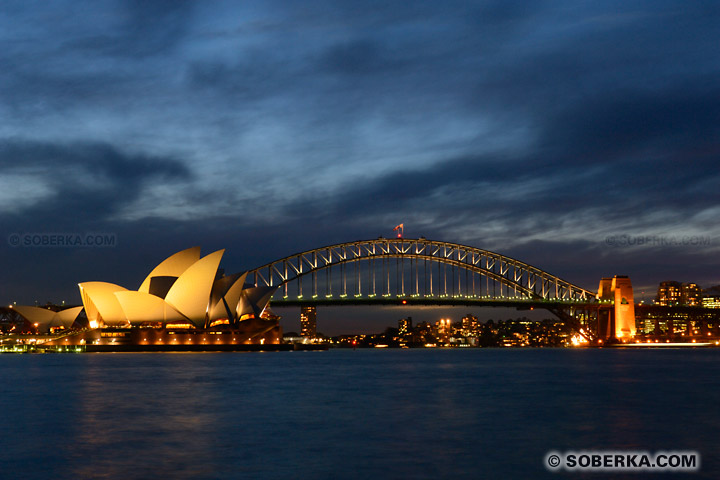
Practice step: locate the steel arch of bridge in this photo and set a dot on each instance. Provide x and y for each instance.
(525, 279)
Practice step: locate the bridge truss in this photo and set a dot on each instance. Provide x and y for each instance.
(423, 272)
(412, 268)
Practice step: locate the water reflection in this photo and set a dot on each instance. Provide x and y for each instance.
(144, 419)
(350, 414)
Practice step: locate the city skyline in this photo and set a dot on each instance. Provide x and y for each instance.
(578, 138)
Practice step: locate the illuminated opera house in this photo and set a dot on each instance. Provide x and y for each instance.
(185, 300)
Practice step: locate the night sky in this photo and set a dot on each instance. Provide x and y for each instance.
(558, 133)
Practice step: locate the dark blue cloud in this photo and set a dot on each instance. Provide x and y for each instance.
(139, 29)
(84, 182)
(360, 57)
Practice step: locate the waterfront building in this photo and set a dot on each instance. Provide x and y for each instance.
(711, 301)
(668, 294)
(690, 294)
(183, 290)
(47, 319)
(444, 329)
(405, 326)
(470, 325)
(308, 321)
(424, 332)
(185, 300)
(671, 293)
(711, 297)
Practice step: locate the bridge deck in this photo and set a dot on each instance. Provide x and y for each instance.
(519, 303)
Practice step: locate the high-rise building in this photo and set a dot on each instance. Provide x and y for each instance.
(405, 326)
(308, 321)
(675, 293)
(444, 329)
(668, 294)
(690, 294)
(470, 325)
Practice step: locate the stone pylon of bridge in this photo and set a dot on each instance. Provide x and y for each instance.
(618, 322)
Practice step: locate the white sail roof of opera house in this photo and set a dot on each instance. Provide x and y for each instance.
(101, 304)
(173, 266)
(232, 297)
(253, 300)
(191, 291)
(141, 306)
(46, 318)
(184, 287)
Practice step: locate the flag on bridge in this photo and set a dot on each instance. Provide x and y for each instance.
(399, 229)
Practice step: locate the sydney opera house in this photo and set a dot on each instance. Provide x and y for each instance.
(186, 302)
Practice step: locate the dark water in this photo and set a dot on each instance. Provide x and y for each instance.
(351, 414)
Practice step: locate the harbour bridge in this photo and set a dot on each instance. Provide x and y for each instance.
(404, 271)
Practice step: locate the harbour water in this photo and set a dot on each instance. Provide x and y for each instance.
(426, 413)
